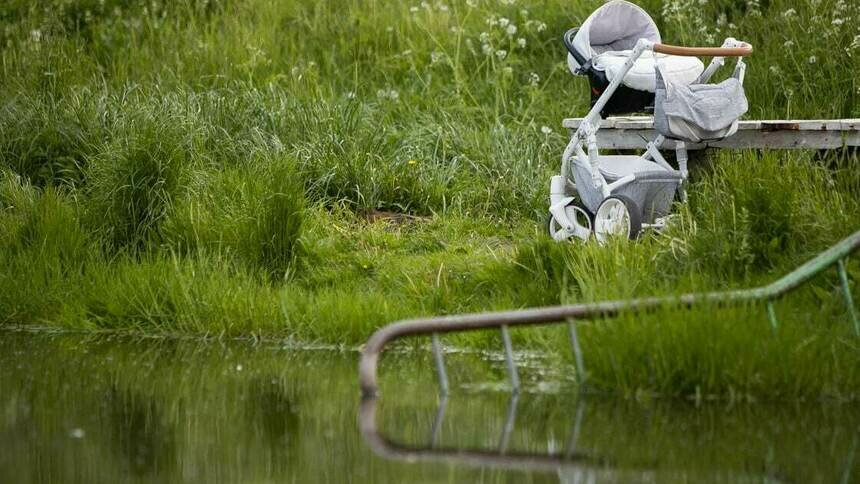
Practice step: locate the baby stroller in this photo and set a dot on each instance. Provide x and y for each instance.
(630, 71)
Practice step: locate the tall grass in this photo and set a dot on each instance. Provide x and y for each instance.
(255, 211)
(318, 169)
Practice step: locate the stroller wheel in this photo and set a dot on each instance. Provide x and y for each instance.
(617, 215)
(577, 213)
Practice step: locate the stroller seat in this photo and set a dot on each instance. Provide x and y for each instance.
(677, 69)
(603, 43)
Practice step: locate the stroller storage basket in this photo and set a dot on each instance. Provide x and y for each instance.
(653, 191)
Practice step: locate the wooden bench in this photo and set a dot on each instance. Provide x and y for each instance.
(634, 132)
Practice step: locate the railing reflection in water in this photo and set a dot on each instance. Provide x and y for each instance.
(576, 462)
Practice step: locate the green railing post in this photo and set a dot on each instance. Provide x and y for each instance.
(771, 315)
(577, 351)
(846, 291)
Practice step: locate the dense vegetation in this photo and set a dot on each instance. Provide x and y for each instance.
(317, 169)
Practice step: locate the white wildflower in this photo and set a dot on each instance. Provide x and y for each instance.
(789, 13)
(524, 13)
(511, 30)
(812, 59)
(545, 129)
(837, 21)
(389, 94)
(774, 70)
(503, 22)
(534, 79)
(350, 95)
(413, 9)
(541, 27)
(436, 56)
(753, 8)
(425, 5)
(507, 71)
(855, 44)
(521, 43)
(36, 35)
(788, 43)
(491, 21)
(501, 54)
(486, 49)
(442, 7)
(484, 37)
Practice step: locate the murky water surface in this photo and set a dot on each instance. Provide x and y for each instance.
(96, 409)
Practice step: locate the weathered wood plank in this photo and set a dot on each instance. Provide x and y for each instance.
(633, 132)
(647, 122)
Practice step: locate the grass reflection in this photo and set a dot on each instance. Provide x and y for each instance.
(93, 409)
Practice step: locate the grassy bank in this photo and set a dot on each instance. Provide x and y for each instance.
(315, 170)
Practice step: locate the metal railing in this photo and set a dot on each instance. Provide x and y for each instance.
(574, 457)
(570, 458)
(503, 320)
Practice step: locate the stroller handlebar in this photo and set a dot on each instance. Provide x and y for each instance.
(742, 51)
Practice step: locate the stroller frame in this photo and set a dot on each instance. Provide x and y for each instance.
(621, 206)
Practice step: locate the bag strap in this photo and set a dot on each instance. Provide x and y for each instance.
(659, 76)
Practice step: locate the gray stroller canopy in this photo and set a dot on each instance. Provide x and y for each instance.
(617, 25)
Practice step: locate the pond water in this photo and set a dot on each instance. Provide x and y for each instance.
(111, 409)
